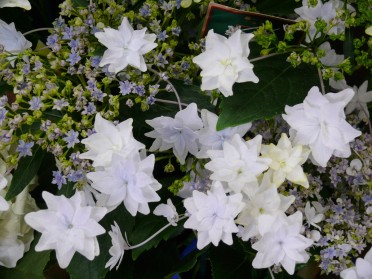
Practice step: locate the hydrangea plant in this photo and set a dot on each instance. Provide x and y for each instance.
(132, 146)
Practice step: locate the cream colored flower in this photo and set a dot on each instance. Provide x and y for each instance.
(286, 161)
(15, 235)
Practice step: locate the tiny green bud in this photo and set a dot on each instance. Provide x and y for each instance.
(144, 106)
(169, 167)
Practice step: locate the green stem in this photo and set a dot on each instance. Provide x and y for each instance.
(154, 235)
(37, 30)
(321, 81)
(271, 273)
(171, 85)
(163, 158)
(264, 57)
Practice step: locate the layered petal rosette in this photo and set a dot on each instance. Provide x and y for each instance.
(225, 61)
(319, 122)
(129, 181)
(125, 46)
(282, 243)
(68, 226)
(178, 133)
(213, 214)
(109, 139)
(238, 164)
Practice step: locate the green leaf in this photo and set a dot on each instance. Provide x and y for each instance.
(280, 85)
(41, 49)
(230, 262)
(165, 261)
(67, 190)
(348, 45)
(53, 115)
(79, 3)
(283, 7)
(191, 94)
(31, 266)
(27, 168)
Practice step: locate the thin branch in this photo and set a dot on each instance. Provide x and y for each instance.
(37, 30)
(155, 234)
(170, 102)
(271, 273)
(264, 57)
(321, 81)
(171, 85)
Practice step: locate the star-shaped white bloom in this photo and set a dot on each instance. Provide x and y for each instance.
(211, 139)
(286, 161)
(360, 100)
(167, 210)
(178, 133)
(361, 270)
(212, 215)
(225, 61)
(67, 226)
(12, 40)
(238, 164)
(109, 139)
(125, 47)
(282, 244)
(331, 58)
(119, 245)
(15, 3)
(312, 218)
(265, 202)
(319, 122)
(128, 180)
(355, 166)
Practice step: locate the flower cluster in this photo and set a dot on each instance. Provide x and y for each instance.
(124, 126)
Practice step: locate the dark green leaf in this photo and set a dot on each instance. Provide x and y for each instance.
(280, 85)
(31, 266)
(232, 261)
(191, 94)
(41, 49)
(165, 261)
(26, 170)
(284, 7)
(348, 45)
(67, 190)
(54, 115)
(79, 3)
